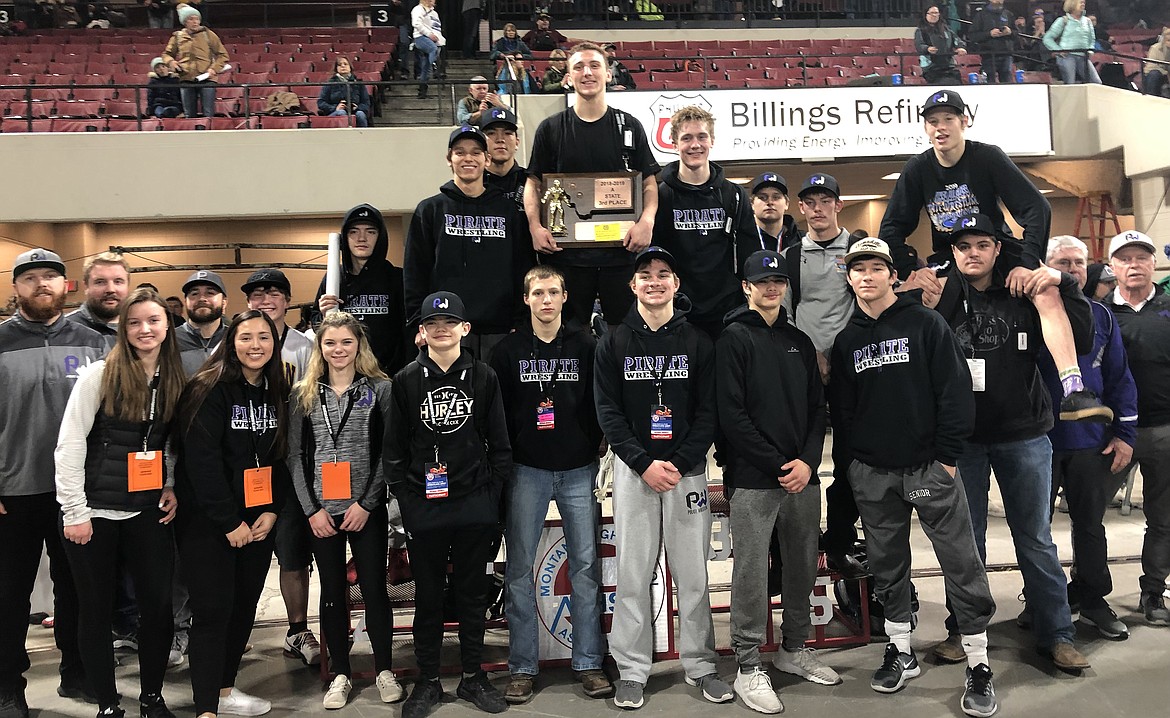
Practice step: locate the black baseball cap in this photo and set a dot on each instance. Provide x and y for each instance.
(443, 304)
(973, 224)
(763, 264)
(945, 98)
(498, 116)
(37, 259)
(204, 276)
(648, 255)
(823, 183)
(769, 178)
(467, 131)
(267, 278)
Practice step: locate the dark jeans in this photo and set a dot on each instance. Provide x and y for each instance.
(369, 555)
(942, 74)
(584, 284)
(998, 65)
(198, 99)
(225, 584)
(470, 33)
(143, 546)
(28, 527)
(1153, 456)
(1153, 82)
(1088, 486)
(468, 551)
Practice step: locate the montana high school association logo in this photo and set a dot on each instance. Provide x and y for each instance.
(661, 110)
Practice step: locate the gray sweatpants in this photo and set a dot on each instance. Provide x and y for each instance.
(885, 498)
(643, 519)
(796, 519)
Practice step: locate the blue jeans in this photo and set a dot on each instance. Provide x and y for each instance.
(198, 93)
(1153, 82)
(528, 497)
(1023, 470)
(358, 116)
(1076, 69)
(426, 52)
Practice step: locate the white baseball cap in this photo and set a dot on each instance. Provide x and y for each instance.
(1132, 237)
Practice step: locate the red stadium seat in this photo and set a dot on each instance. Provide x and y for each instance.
(150, 124)
(82, 108)
(125, 108)
(89, 125)
(9, 125)
(271, 122)
(325, 121)
(174, 124)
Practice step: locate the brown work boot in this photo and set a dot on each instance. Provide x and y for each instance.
(1066, 657)
(950, 650)
(595, 683)
(519, 688)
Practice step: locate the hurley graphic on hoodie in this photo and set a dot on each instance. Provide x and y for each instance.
(373, 295)
(771, 399)
(453, 419)
(642, 376)
(874, 361)
(710, 230)
(476, 246)
(556, 376)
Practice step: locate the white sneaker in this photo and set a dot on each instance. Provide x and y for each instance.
(239, 703)
(755, 688)
(804, 663)
(337, 695)
(389, 687)
(178, 649)
(303, 646)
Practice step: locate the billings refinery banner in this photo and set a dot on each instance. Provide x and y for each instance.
(841, 122)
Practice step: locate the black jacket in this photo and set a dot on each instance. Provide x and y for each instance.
(374, 295)
(692, 223)
(874, 361)
(477, 247)
(629, 358)
(525, 367)
(462, 414)
(1146, 335)
(163, 91)
(1005, 332)
(984, 22)
(771, 399)
(350, 89)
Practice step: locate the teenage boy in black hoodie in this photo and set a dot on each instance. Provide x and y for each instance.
(704, 220)
(371, 287)
(447, 461)
(1000, 336)
(893, 342)
(956, 178)
(772, 411)
(469, 237)
(775, 228)
(546, 378)
(500, 129)
(655, 389)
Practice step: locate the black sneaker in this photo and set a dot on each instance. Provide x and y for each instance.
(423, 698)
(979, 695)
(77, 689)
(422, 92)
(1084, 405)
(848, 566)
(478, 690)
(897, 668)
(1153, 606)
(12, 704)
(153, 706)
(111, 712)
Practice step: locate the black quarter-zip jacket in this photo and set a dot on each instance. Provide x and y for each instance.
(771, 399)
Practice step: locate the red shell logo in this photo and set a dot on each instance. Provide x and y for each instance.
(661, 110)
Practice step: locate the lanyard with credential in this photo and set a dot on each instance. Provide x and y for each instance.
(260, 429)
(763, 244)
(341, 424)
(552, 383)
(658, 375)
(150, 414)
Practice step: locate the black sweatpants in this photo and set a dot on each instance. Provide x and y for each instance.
(144, 547)
(28, 526)
(369, 554)
(468, 551)
(225, 584)
(609, 284)
(841, 512)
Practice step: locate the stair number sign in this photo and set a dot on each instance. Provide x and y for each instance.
(380, 16)
(7, 14)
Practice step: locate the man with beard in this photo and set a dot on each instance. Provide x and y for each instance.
(206, 298)
(39, 358)
(107, 282)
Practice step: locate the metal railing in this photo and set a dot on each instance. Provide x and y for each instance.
(700, 13)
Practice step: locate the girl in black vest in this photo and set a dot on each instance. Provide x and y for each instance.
(232, 480)
(116, 499)
(339, 417)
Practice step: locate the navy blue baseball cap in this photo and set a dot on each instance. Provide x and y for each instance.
(763, 264)
(443, 304)
(498, 116)
(769, 178)
(821, 183)
(973, 224)
(467, 132)
(648, 255)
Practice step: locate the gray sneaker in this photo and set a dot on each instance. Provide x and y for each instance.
(896, 669)
(1106, 622)
(979, 695)
(804, 663)
(1153, 605)
(628, 695)
(714, 688)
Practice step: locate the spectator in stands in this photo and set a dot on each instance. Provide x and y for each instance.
(992, 31)
(619, 76)
(471, 15)
(1030, 51)
(937, 47)
(428, 41)
(163, 98)
(1071, 39)
(1155, 80)
(517, 78)
(556, 74)
(399, 17)
(1104, 42)
(543, 37)
(478, 100)
(774, 228)
(508, 44)
(345, 94)
(198, 56)
(160, 13)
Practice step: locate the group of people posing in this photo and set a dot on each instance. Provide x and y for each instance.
(986, 356)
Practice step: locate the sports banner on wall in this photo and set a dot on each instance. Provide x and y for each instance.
(838, 123)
